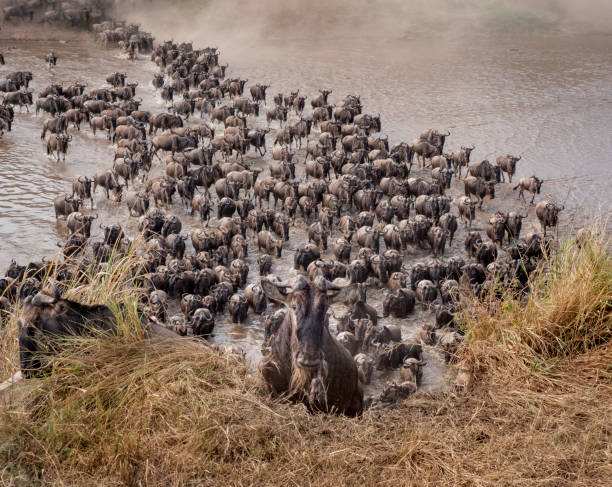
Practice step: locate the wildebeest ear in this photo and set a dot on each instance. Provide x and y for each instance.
(272, 292)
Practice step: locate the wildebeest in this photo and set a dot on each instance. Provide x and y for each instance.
(269, 243)
(448, 223)
(461, 158)
(126, 168)
(21, 98)
(472, 239)
(486, 253)
(467, 210)
(368, 237)
(104, 122)
(137, 202)
(479, 188)
(423, 150)
(81, 186)
(257, 139)
(548, 214)
(129, 132)
(435, 138)
(51, 59)
(507, 163)
(485, 170)
(76, 116)
(398, 303)
(321, 99)
(436, 237)
(496, 228)
(531, 184)
(277, 113)
(514, 223)
(304, 356)
(55, 125)
(164, 121)
(172, 143)
(22, 78)
(108, 180)
(47, 313)
(79, 223)
(258, 92)
(64, 205)
(58, 144)
(7, 114)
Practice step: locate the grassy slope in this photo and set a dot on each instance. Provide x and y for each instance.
(536, 410)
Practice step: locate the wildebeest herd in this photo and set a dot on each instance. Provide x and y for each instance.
(351, 190)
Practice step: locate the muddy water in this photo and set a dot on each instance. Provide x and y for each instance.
(548, 99)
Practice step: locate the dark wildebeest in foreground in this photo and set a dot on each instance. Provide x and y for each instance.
(306, 363)
(47, 313)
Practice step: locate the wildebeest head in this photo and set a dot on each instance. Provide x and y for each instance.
(47, 312)
(132, 88)
(113, 234)
(467, 151)
(308, 304)
(86, 185)
(537, 183)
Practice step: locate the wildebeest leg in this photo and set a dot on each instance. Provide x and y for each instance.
(532, 198)
(27, 349)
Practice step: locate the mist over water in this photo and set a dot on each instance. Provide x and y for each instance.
(532, 77)
(374, 20)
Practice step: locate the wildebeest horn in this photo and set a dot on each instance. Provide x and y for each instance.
(43, 299)
(323, 284)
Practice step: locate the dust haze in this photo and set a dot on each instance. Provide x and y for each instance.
(230, 22)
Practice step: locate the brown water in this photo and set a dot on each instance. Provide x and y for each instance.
(547, 97)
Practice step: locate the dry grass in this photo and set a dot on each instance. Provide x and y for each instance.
(123, 411)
